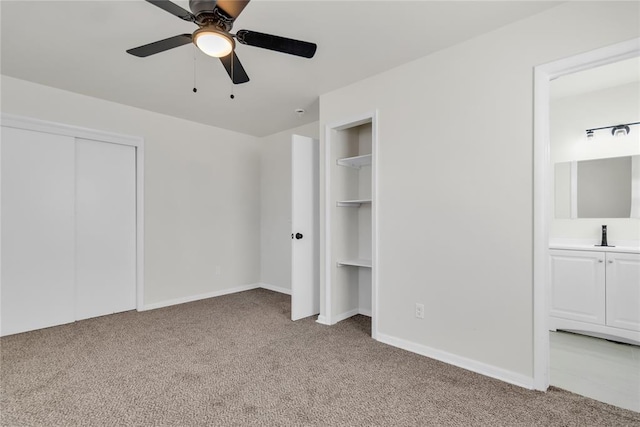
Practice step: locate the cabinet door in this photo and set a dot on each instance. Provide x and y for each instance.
(623, 291)
(578, 286)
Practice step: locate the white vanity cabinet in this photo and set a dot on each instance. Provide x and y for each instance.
(623, 290)
(578, 286)
(596, 292)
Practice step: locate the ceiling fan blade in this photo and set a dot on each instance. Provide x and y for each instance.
(160, 46)
(232, 8)
(277, 43)
(174, 9)
(237, 73)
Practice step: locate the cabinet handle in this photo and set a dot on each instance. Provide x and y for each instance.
(600, 260)
(610, 261)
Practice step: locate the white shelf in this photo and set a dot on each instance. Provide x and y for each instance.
(353, 203)
(355, 263)
(355, 162)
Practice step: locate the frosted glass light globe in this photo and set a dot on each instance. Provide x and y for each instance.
(213, 43)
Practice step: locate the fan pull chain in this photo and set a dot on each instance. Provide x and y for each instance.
(194, 70)
(232, 84)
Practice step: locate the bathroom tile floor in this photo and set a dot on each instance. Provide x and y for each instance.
(596, 368)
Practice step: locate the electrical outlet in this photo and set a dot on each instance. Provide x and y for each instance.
(420, 311)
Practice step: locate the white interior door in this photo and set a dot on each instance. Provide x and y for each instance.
(105, 228)
(305, 265)
(37, 254)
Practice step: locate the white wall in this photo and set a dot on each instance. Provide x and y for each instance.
(275, 206)
(455, 170)
(202, 189)
(570, 117)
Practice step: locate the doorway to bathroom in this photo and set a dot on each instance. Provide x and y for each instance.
(586, 311)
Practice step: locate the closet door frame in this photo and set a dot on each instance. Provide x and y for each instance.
(26, 123)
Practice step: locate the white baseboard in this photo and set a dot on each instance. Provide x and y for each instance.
(198, 297)
(323, 320)
(459, 361)
(345, 315)
(340, 317)
(275, 288)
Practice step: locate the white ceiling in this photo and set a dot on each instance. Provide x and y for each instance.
(80, 46)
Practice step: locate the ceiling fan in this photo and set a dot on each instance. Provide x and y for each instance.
(215, 20)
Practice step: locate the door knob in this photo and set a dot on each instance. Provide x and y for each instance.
(299, 236)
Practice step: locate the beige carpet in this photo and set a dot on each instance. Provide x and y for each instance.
(239, 360)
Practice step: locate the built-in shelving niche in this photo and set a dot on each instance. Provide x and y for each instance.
(351, 193)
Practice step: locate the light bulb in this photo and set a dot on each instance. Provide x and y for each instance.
(212, 42)
(620, 130)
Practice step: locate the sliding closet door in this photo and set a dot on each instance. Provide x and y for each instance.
(105, 228)
(37, 171)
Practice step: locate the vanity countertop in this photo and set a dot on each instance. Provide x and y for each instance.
(630, 246)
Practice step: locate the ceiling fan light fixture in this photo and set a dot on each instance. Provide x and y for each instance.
(215, 19)
(213, 42)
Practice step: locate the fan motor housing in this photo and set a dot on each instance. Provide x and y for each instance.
(199, 6)
(208, 14)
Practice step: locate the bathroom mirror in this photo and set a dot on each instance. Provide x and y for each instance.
(599, 188)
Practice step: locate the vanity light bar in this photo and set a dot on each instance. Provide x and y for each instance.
(616, 130)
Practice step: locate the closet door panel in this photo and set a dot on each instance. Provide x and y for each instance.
(105, 228)
(37, 172)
